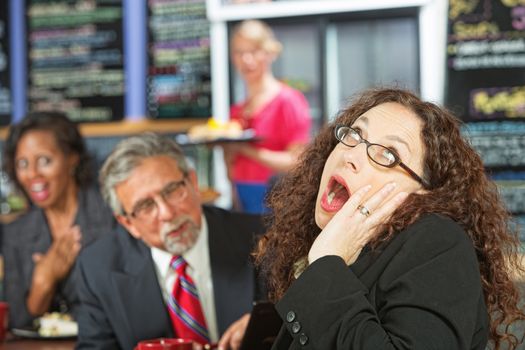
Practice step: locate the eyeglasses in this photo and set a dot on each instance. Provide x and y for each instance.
(172, 194)
(379, 154)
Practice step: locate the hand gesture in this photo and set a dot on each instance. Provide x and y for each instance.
(56, 263)
(352, 227)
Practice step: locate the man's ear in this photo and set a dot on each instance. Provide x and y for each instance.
(192, 177)
(125, 221)
(194, 183)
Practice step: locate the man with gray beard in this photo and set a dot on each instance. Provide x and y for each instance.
(129, 277)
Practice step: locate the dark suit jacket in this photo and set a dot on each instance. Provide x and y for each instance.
(30, 234)
(420, 291)
(121, 299)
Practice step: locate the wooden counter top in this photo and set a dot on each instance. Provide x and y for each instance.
(129, 127)
(34, 344)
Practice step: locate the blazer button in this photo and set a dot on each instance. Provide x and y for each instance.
(296, 327)
(290, 316)
(303, 339)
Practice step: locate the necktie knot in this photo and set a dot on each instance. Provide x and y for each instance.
(178, 264)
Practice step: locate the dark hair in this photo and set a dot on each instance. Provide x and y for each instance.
(67, 137)
(459, 189)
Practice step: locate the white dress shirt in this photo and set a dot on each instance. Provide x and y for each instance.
(199, 269)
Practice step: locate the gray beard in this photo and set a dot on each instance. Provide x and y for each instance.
(185, 240)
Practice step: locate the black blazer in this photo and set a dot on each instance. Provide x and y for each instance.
(121, 299)
(420, 291)
(30, 234)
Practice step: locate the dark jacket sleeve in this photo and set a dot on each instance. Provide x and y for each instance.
(15, 290)
(96, 220)
(18, 268)
(95, 330)
(429, 296)
(254, 228)
(235, 284)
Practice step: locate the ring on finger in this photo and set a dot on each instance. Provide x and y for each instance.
(363, 210)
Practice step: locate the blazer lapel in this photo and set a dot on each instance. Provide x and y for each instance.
(41, 234)
(36, 238)
(139, 299)
(232, 280)
(82, 219)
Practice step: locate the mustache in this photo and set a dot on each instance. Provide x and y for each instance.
(168, 227)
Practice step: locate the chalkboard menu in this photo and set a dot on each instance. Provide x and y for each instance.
(75, 58)
(486, 88)
(5, 92)
(486, 59)
(179, 59)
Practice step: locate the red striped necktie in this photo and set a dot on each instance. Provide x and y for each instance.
(184, 306)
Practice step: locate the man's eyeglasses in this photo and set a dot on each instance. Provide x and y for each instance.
(379, 154)
(172, 194)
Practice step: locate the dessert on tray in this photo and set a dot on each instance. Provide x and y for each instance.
(214, 129)
(56, 324)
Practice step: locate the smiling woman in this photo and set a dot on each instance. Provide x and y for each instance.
(388, 234)
(46, 158)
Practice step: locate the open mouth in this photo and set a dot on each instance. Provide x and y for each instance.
(336, 194)
(39, 191)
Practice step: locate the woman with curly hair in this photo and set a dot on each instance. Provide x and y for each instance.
(389, 235)
(46, 158)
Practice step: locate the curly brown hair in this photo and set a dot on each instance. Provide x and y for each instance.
(458, 188)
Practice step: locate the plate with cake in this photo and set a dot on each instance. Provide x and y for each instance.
(214, 132)
(52, 325)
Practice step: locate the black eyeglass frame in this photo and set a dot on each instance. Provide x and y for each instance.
(177, 184)
(397, 160)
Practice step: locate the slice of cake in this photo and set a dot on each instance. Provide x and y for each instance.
(57, 325)
(214, 130)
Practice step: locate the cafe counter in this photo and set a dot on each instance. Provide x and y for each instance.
(37, 344)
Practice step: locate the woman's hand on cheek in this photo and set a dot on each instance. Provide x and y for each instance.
(352, 227)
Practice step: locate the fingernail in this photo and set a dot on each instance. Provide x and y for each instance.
(367, 188)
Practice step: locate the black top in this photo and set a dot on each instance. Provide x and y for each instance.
(30, 234)
(422, 290)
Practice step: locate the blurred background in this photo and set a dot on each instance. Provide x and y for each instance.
(119, 67)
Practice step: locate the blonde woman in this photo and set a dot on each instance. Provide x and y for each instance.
(277, 113)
